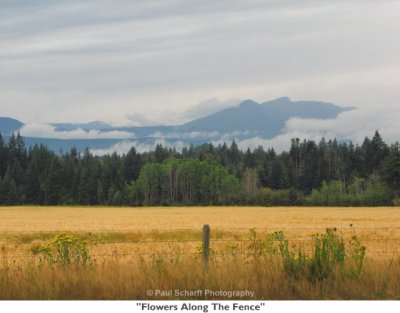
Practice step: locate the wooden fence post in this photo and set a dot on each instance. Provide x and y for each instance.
(206, 243)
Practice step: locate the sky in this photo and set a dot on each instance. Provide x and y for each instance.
(138, 62)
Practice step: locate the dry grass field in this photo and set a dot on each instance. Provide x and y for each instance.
(169, 218)
(138, 249)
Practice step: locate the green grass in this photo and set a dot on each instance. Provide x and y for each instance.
(118, 237)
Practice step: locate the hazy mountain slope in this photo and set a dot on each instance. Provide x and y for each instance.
(9, 125)
(65, 145)
(247, 120)
(267, 118)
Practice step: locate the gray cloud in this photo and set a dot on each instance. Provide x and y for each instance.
(353, 125)
(137, 119)
(343, 127)
(125, 145)
(150, 62)
(209, 106)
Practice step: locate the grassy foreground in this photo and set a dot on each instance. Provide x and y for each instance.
(380, 280)
(153, 253)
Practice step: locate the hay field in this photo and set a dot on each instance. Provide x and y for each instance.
(134, 250)
(131, 231)
(27, 219)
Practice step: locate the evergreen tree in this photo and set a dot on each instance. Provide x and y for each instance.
(160, 153)
(249, 161)
(9, 193)
(3, 157)
(375, 151)
(202, 175)
(132, 164)
(391, 169)
(52, 186)
(276, 174)
(233, 153)
(33, 188)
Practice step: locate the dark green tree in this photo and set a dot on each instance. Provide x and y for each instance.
(391, 169)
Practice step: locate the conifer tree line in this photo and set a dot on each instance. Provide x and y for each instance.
(310, 173)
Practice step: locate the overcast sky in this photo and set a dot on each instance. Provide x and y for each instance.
(145, 62)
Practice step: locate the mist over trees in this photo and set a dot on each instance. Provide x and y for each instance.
(310, 173)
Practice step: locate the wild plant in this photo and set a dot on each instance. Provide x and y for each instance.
(294, 264)
(276, 243)
(233, 249)
(358, 253)
(160, 263)
(257, 245)
(65, 249)
(5, 258)
(329, 253)
(200, 250)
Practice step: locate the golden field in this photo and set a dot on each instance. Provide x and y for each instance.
(116, 228)
(138, 249)
(169, 218)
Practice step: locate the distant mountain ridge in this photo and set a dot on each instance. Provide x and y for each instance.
(248, 119)
(9, 125)
(267, 119)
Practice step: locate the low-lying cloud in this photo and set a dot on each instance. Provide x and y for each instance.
(123, 147)
(351, 126)
(354, 125)
(40, 130)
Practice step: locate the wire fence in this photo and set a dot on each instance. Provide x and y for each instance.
(379, 241)
(215, 229)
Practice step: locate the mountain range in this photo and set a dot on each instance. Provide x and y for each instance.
(247, 120)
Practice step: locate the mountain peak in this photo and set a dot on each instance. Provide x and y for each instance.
(248, 120)
(266, 119)
(248, 104)
(282, 100)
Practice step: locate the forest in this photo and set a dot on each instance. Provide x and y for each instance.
(327, 173)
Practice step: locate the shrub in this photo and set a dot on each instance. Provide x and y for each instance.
(277, 243)
(65, 249)
(328, 253)
(329, 194)
(361, 192)
(257, 245)
(358, 253)
(294, 264)
(271, 197)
